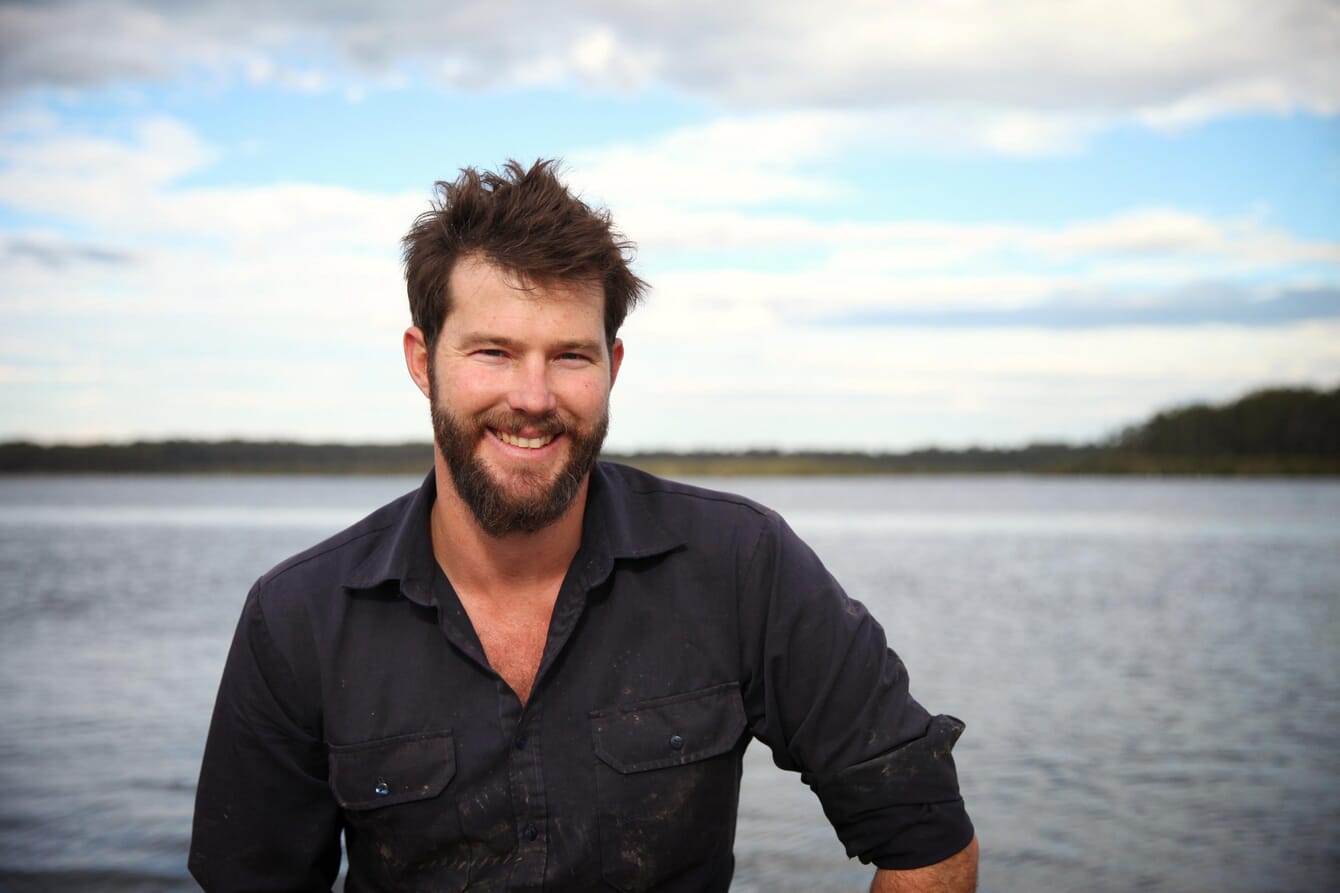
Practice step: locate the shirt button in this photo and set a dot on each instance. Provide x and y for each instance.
(521, 742)
(382, 789)
(676, 742)
(531, 832)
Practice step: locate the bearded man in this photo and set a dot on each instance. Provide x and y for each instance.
(540, 671)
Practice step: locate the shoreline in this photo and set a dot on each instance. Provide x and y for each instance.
(270, 458)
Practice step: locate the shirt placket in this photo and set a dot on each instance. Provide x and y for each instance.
(524, 778)
(525, 781)
(525, 768)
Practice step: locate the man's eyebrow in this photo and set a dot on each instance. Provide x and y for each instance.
(477, 339)
(474, 339)
(579, 346)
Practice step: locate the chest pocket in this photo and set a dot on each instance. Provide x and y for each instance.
(402, 826)
(668, 785)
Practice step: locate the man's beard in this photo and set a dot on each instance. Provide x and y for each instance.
(534, 504)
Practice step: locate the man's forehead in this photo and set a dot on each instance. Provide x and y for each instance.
(478, 271)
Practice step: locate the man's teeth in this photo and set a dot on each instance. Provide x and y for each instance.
(529, 443)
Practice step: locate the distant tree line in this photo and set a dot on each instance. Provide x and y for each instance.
(1034, 458)
(1275, 431)
(1277, 422)
(230, 456)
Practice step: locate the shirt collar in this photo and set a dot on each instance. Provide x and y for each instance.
(405, 551)
(617, 525)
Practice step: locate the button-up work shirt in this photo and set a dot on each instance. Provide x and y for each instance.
(357, 699)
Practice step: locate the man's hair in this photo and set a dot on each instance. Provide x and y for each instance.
(527, 223)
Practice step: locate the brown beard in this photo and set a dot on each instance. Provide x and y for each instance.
(497, 511)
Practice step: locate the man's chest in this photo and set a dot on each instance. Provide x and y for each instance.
(513, 634)
(633, 733)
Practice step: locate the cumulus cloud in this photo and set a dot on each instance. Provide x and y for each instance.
(285, 301)
(1039, 73)
(910, 386)
(298, 249)
(1148, 236)
(869, 267)
(730, 161)
(130, 187)
(282, 271)
(1129, 244)
(1156, 265)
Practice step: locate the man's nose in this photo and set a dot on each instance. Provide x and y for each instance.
(531, 392)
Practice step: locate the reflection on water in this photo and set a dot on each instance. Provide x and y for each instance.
(1148, 669)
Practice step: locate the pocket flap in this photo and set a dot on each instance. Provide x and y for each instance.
(669, 731)
(392, 770)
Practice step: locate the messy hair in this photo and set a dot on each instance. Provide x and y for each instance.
(527, 223)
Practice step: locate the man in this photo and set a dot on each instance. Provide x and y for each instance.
(540, 672)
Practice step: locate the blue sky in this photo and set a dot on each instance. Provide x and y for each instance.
(873, 227)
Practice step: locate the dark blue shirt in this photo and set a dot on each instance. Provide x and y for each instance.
(357, 699)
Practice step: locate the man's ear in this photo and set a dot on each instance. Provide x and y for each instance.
(416, 358)
(616, 359)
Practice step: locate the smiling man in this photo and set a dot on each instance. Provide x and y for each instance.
(539, 671)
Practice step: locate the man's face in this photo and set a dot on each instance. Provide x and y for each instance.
(519, 387)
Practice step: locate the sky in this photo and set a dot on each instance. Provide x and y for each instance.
(873, 226)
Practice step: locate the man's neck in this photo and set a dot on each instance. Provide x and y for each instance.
(515, 562)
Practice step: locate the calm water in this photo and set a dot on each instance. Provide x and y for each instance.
(1149, 670)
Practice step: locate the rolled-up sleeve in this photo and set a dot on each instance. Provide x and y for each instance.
(265, 818)
(827, 695)
(900, 809)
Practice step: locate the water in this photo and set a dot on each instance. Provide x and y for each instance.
(1149, 669)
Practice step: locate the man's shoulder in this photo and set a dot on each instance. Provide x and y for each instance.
(675, 503)
(335, 559)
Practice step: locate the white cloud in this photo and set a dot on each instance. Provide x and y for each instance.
(276, 310)
(898, 389)
(161, 150)
(293, 249)
(128, 189)
(715, 182)
(285, 272)
(727, 162)
(1020, 77)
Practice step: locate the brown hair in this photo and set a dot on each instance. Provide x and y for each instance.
(525, 221)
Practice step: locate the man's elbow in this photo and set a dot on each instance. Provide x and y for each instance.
(957, 874)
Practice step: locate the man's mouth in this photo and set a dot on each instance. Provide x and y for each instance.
(526, 443)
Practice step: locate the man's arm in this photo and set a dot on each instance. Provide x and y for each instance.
(265, 818)
(832, 700)
(957, 874)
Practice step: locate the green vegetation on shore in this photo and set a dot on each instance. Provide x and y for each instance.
(1281, 431)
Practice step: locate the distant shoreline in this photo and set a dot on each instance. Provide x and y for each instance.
(1291, 432)
(275, 457)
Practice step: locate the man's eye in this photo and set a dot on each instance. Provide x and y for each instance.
(491, 352)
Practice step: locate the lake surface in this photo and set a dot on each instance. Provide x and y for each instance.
(1149, 669)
